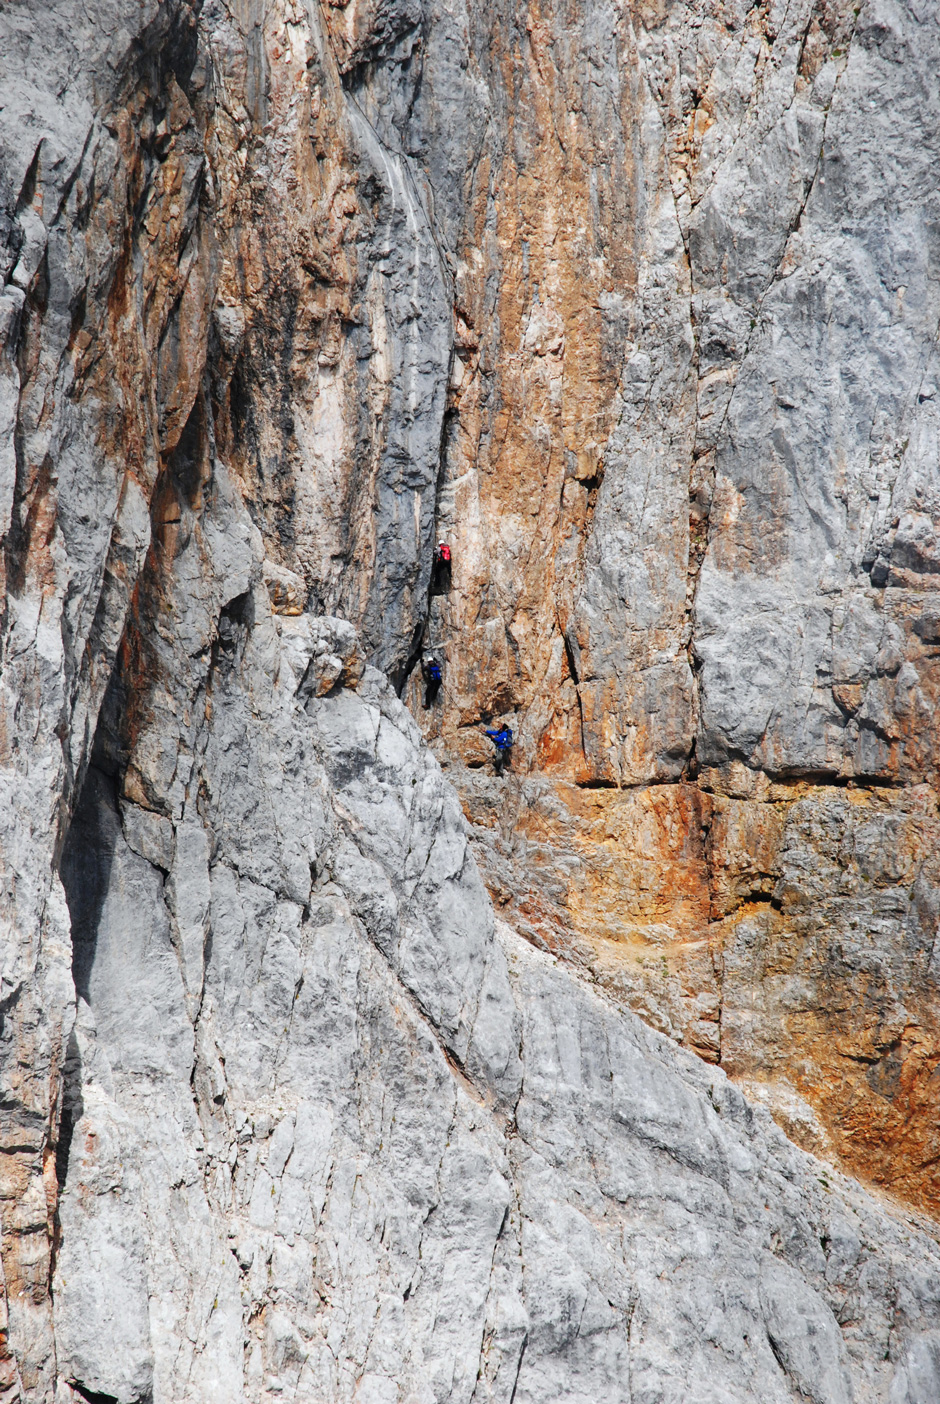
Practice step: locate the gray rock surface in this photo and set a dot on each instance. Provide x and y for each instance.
(639, 308)
(373, 1145)
(823, 455)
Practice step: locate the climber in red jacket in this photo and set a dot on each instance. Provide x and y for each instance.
(440, 578)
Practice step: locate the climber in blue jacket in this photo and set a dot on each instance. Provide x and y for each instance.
(502, 740)
(431, 672)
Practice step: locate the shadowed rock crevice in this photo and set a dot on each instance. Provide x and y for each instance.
(85, 870)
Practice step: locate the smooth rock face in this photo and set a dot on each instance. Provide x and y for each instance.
(637, 309)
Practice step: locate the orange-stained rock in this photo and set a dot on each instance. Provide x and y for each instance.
(789, 936)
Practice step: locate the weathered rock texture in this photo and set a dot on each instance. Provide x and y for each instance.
(329, 1131)
(692, 484)
(638, 308)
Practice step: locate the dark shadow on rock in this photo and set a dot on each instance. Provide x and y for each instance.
(85, 869)
(72, 1108)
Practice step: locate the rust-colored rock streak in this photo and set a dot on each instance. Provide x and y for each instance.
(785, 930)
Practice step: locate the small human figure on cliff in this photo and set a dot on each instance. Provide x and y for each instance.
(431, 672)
(440, 576)
(502, 740)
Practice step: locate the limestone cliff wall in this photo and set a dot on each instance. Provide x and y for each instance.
(691, 476)
(638, 308)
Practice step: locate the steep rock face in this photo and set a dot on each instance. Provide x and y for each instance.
(287, 292)
(792, 938)
(168, 224)
(690, 479)
(328, 1129)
